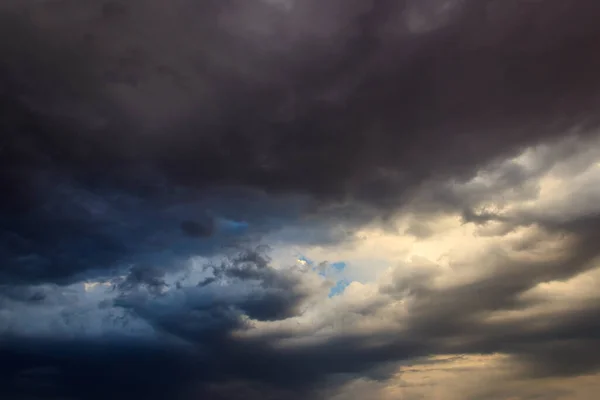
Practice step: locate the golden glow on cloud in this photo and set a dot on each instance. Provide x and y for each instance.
(452, 255)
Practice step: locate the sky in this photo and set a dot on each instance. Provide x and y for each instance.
(299, 199)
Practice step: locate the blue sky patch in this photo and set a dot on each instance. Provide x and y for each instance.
(339, 287)
(338, 266)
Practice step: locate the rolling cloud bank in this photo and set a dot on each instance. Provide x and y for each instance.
(286, 199)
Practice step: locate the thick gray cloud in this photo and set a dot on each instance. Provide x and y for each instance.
(195, 326)
(142, 109)
(136, 135)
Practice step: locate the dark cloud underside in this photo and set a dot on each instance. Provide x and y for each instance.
(373, 103)
(136, 134)
(341, 103)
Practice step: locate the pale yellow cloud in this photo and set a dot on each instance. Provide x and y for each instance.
(474, 377)
(452, 255)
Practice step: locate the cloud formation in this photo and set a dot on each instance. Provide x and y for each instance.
(292, 199)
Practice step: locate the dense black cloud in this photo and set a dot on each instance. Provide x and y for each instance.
(198, 229)
(404, 105)
(60, 369)
(192, 340)
(135, 135)
(349, 102)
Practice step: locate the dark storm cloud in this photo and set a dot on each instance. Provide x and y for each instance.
(76, 232)
(197, 229)
(440, 321)
(349, 102)
(130, 129)
(84, 370)
(193, 342)
(245, 283)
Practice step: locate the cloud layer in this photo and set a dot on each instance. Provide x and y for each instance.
(291, 199)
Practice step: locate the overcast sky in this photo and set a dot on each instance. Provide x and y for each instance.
(299, 199)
